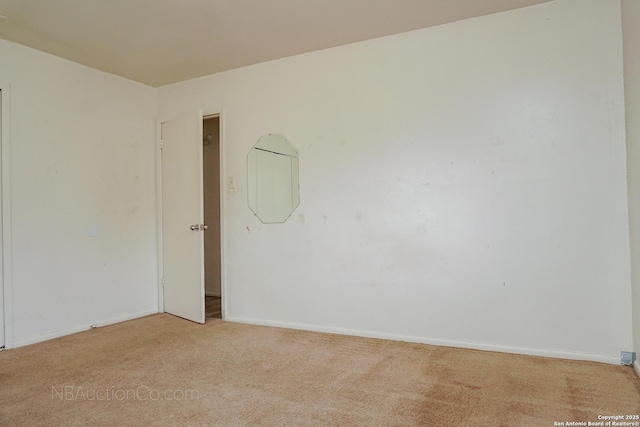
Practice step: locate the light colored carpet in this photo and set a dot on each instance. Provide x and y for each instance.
(226, 374)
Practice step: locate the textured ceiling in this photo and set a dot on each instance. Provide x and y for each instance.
(158, 42)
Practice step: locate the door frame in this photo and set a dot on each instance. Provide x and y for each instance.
(206, 113)
(5, 200)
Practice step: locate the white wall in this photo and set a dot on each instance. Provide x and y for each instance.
(631, 34)
(459, 184)
(82, 146)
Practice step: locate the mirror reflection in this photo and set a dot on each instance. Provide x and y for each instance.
(272, 166)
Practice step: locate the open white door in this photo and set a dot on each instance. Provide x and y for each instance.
(183, 217)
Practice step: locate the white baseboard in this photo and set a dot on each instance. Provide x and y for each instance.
(58, 334)
(614, 360)
(213, 294)
(636, 366)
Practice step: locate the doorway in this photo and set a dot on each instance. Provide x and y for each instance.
(211, 196)
(190, 252)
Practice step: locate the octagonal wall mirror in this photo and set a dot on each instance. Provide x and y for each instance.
(273, 188)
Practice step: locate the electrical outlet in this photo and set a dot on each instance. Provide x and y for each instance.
(627, 358)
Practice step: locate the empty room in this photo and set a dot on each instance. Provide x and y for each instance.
(319, 213)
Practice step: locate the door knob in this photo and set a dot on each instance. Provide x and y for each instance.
(195, 227)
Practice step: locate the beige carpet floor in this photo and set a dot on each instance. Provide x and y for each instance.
(164, 371)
